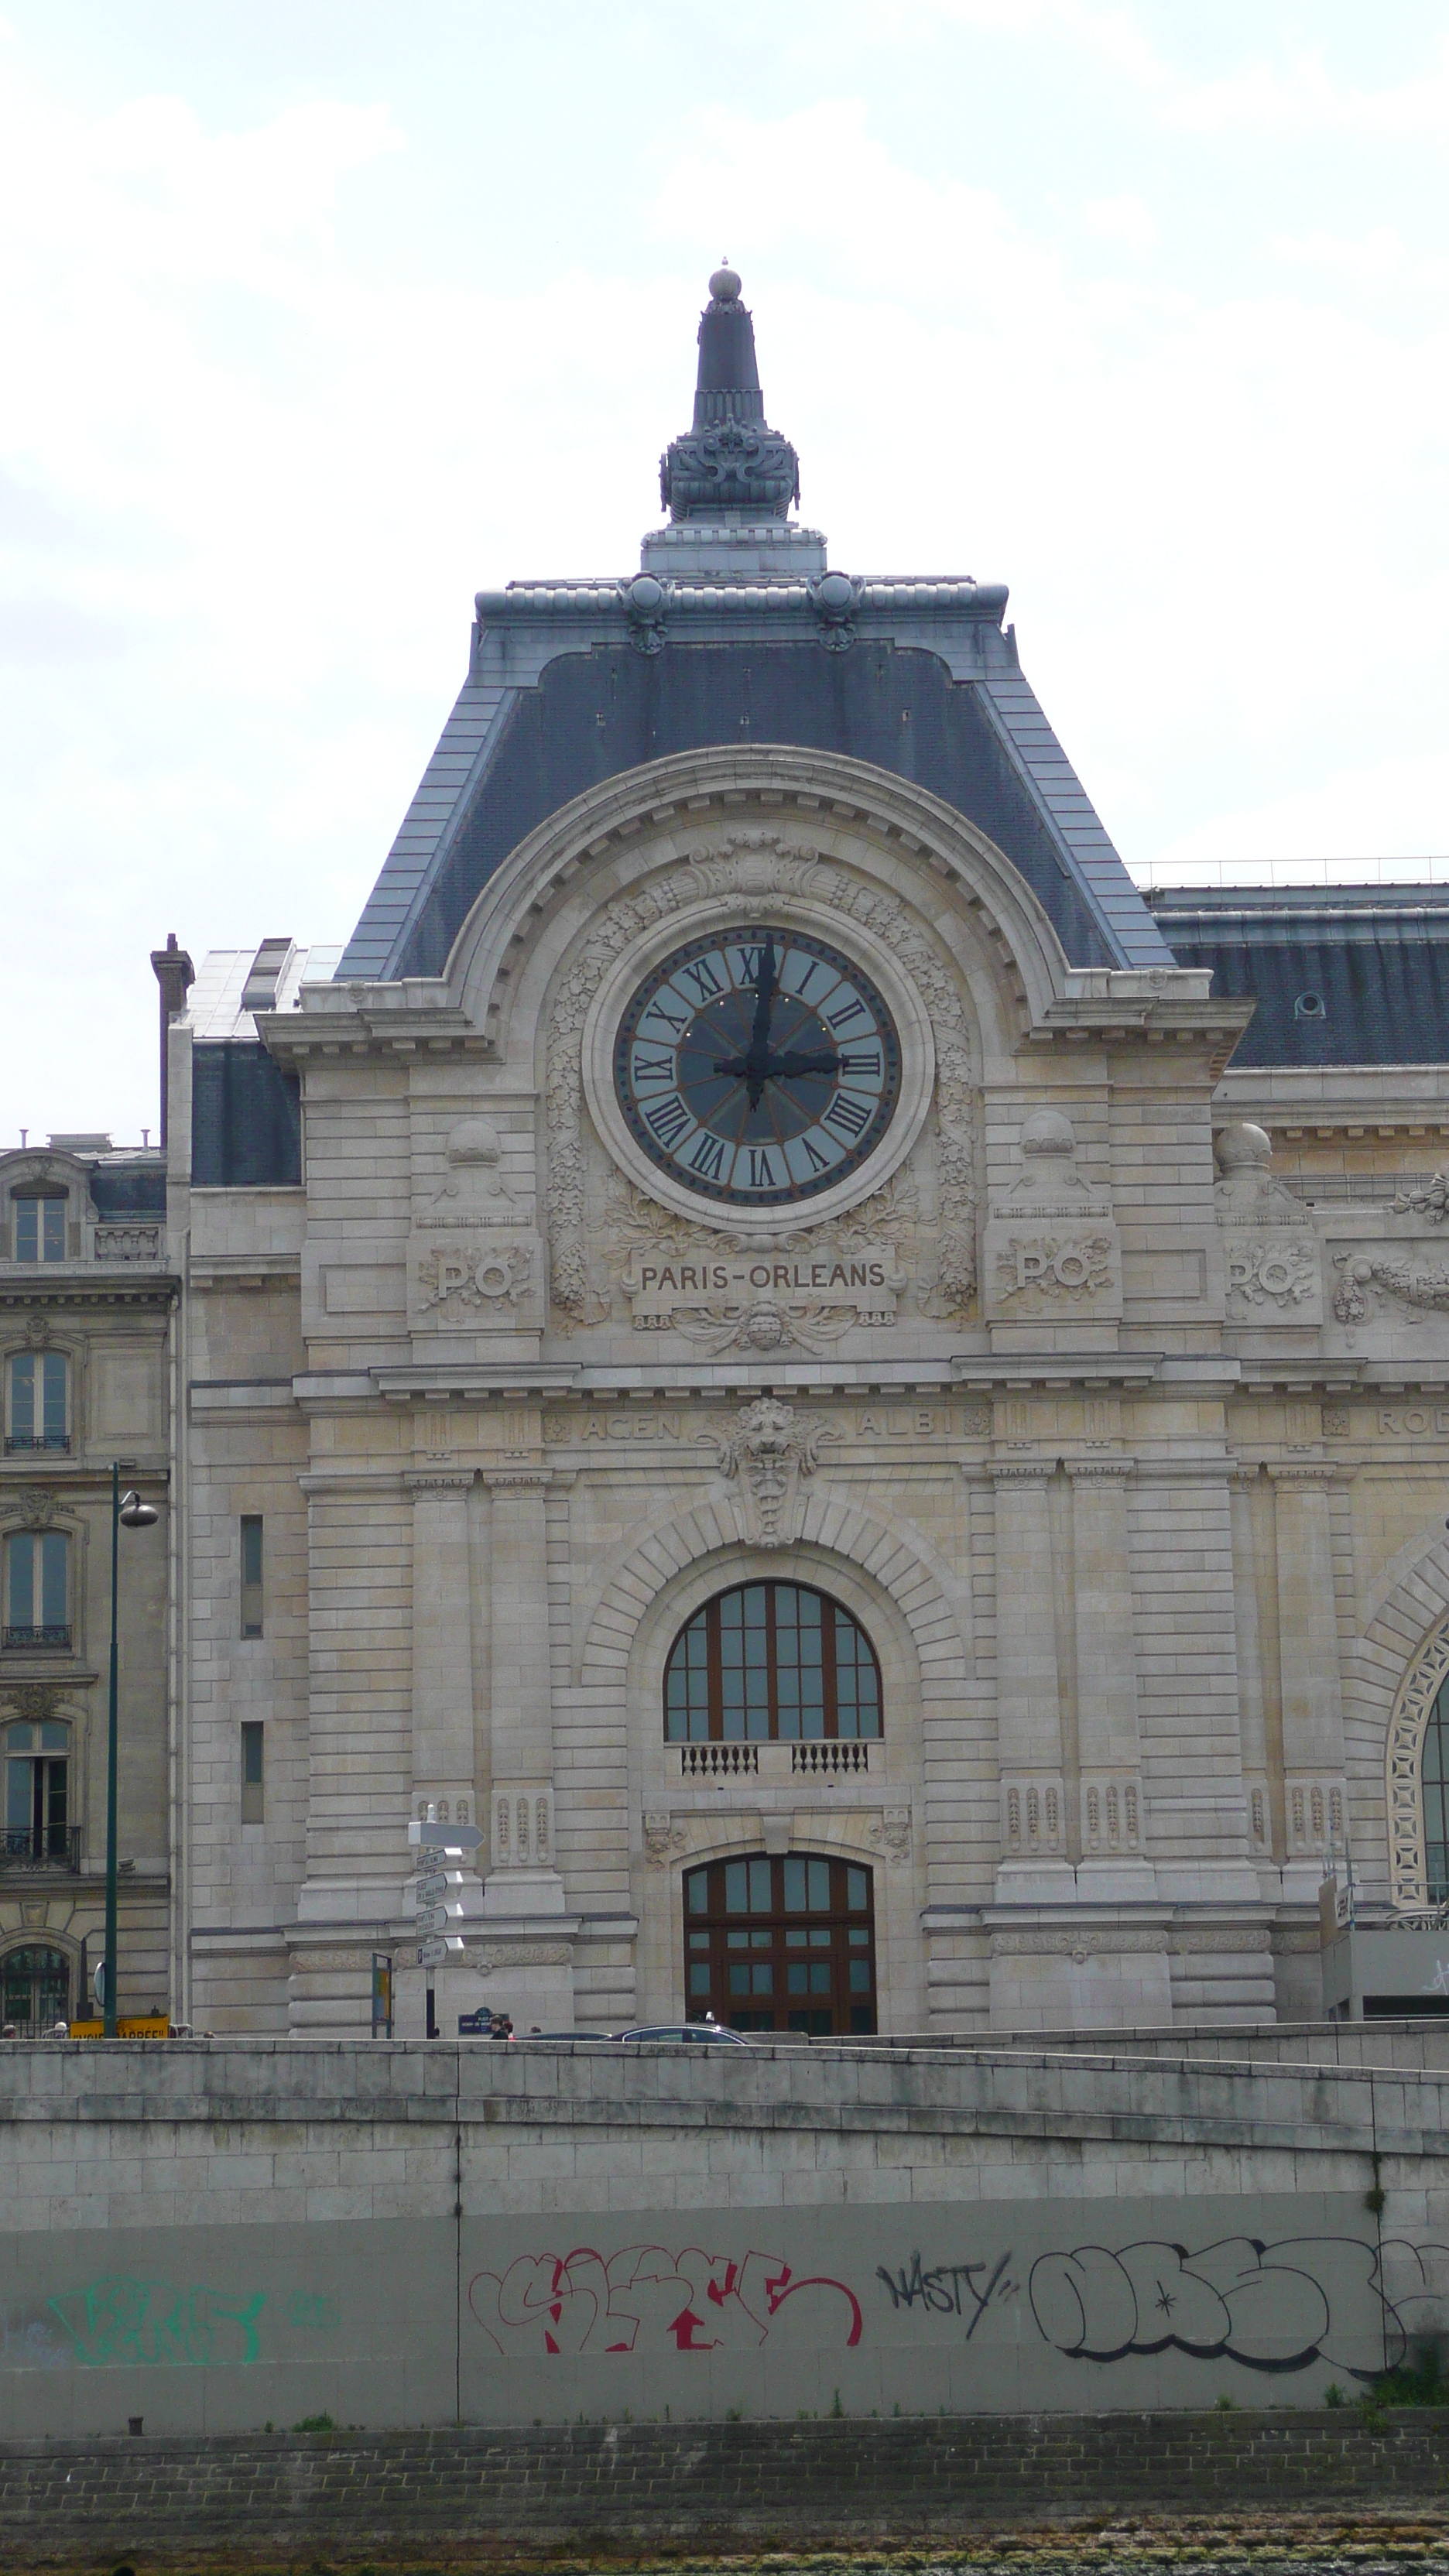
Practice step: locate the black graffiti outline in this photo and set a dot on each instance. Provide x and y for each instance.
(1223, 2347)
(940, 2288)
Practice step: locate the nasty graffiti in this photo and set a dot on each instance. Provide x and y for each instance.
(1272, 2307)
(124, 2320)
(949, 2289)
(646, 2298)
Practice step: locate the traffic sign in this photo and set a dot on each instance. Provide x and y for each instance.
(458, 1838)
(430, 1891)
(437, 1918)
(436, 1954)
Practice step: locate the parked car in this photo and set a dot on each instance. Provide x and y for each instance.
(687, 2033)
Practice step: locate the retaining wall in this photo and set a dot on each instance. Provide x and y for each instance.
(219, 2235)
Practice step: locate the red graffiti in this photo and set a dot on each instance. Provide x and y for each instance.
(646, 2298)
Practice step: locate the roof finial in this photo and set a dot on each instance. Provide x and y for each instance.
(730, 465)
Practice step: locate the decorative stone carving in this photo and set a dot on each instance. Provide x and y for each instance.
(892, 1834)
(477, 1190)
(469, 1281)
(1033, 1816)
(1316, 1810)
(128, 1242)
(1051, 1243)
(663, 1838)
(37, 1331)
(1272, 1280)
(1336, 1424)
(33, 1505)
(1111, 1813)
(1431, 1203)
(512, 1954)
(1365, 1280)
(34, 1701)
(1405, 1749)
(1281, 1272)
(1246, 1193)
(1081, 1943)
(751, 864)
(772, 1453)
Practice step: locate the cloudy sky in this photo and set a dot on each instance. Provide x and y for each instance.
(317, 315)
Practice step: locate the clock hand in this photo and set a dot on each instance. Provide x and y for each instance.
(789, 1068)
(757, 1062)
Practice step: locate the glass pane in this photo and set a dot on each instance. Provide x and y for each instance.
(819, 1886)
(794, 1885)
(52, 1579)
(54, 1796)
(762, 1979)
(737, 1887)
(52, 1238)
(20, 1605)
(860, 1976)
(759, 1886)
(22, 1398)
(797, 1977)
(699, 1940)
(54, 1738)
(27, 1229)
(699, 1980)
(696, 1891)
(251, 1736)
(19, 1792)
(737, 1940)
(857, 1890)
(740, 1979)
(820, 1976)
(52, 1372)
(20, 1738)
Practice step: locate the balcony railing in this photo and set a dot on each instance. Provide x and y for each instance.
(16, 1441)
(25, 1638)
(40, 1847)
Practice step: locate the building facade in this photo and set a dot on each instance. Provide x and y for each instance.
(775, 1340)
(88, 1351)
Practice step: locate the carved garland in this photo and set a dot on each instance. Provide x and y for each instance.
(1410, 1719)
(754, 864)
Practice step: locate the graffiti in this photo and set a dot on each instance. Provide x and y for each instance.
(1271, 2307)
(645, 2298)
(949, 2289)
(121, 2320)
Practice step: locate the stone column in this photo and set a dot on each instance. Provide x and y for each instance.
(522, 1878)
(1109, 1753)
(1314, 1799)
(443, 1759)
(1034, 1863)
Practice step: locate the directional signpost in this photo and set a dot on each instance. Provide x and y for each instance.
(436, 1846)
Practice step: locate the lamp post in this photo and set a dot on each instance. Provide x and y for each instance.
(129, 1508)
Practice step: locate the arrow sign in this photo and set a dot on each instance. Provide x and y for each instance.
(437, 1918)
(458, 1838)
(430, 1891)
(436, 1954)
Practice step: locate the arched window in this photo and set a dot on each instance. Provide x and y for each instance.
(37, 1588)
(37, 1790)
(784, 1944)
(39, 1213)
(1435, 1777)
(35, 1987)
(771, 1661)
(36, 1411)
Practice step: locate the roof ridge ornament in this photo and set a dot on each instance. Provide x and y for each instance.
(729, 467)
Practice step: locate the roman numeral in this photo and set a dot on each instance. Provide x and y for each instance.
(657, 1011)
(668, 1118)
(818, 1162)
(702, 976)
(847, 1114)
(762, 1175)
(842, 1019)
(750, 959)
(657, 1068)
(807, 980)
(869, 1062)
(708, 1157)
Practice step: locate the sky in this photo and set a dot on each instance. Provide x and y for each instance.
(320, 315)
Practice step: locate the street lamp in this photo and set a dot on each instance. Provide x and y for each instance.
(127, 1507)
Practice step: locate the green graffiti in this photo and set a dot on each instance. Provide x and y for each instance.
(153, 2322)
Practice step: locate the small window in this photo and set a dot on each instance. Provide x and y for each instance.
(37, 1589)
(37, 1415)
(1310, 1006)
(251, 1574)
(253, 1774)
(37, 1813)
(40, 1225)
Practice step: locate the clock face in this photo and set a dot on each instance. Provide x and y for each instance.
(757, 1066)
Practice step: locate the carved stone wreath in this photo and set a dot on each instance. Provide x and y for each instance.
(1407, 1725)
(753, 863)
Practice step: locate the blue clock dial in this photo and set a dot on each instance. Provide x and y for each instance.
(757, 1066)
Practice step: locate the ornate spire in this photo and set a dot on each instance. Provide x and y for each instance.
(730, 466)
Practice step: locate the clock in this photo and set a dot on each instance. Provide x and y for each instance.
(757, 1066)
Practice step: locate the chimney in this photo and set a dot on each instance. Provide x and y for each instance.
(174, 973)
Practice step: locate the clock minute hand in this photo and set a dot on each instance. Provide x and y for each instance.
(757, 1062)
(789, 1068)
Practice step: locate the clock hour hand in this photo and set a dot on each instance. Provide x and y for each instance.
(789, 1068)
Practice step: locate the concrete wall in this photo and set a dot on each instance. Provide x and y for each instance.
(221, 2236)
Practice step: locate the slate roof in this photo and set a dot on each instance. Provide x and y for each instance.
(1375, 959)
(571, 683)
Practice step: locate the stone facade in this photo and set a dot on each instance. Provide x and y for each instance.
(88, 1347)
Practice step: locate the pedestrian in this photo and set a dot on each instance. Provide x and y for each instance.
(502, 2026)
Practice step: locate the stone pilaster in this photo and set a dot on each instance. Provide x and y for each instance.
(522, 1878)
(1313, 1770)
(443, 1745)
(1112, 1824)
(1034, 1840)
(1252, 1707)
